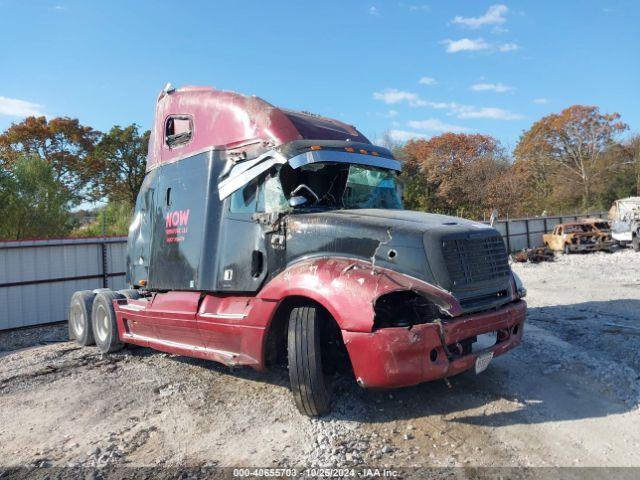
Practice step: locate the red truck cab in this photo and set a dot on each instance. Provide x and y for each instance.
(263, 235)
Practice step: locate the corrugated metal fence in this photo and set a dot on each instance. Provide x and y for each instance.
(38, 277)
(521, 233)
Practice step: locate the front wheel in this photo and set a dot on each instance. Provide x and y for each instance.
(567, 250)
(308, 385)
(635, 243)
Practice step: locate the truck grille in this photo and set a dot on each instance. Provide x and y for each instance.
(475, 260)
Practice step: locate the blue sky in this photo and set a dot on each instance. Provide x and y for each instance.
(405, 67)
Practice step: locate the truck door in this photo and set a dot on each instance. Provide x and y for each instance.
(243, 262)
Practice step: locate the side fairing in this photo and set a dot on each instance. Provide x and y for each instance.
(173, 239)
(140, 238)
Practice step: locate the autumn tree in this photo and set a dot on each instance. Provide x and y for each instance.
(118, 164)
(567, 150)
(454, 171)
(63, 143)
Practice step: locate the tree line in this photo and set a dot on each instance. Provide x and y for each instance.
(569, 161)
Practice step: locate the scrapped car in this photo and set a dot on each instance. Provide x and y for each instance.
(625, 221)
(584, 236)
(263, 235)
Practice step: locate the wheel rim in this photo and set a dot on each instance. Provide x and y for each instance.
(101, 323)
(77, 320)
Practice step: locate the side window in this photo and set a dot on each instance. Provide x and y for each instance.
(559, 230)
(178, 130)
(245, 200)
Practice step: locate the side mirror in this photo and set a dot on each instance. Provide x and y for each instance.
(297, 201)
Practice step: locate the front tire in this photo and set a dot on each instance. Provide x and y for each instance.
(567, 250)
(635, 243)
(105, 327)
(308, 385)
(80, 326)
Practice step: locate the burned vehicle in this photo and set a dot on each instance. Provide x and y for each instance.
(584, 236)
(263, 235)
(625, 221)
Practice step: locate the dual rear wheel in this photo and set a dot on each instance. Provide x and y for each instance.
(92, 319)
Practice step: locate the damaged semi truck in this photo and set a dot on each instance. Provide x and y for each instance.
(263, 236)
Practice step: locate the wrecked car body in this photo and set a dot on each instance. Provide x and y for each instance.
(624, 215)
(263, 235)
(584, 236)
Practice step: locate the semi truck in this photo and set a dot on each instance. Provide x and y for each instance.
(265, 236)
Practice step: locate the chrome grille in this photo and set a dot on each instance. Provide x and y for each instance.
(475, 260)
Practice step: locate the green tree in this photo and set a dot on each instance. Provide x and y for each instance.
(115, 217)
(118, 164)
(34, 201)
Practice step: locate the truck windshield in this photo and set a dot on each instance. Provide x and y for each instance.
(370, 188)
(340, 185)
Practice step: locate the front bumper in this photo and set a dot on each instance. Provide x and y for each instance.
(397, 357)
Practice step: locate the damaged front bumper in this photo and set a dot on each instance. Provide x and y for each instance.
(402, 356)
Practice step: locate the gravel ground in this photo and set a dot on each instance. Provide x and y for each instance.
(569, 396)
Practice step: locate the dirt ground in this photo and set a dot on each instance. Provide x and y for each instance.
(569, 396)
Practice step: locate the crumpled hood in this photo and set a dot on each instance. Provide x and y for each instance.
(405, 241)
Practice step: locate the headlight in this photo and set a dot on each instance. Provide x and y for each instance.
(518, 286)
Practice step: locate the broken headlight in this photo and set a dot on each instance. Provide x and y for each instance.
(518, 287)
(404, 309)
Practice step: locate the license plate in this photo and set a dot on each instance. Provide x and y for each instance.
(483, 361)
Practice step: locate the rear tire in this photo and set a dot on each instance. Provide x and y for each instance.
(105, 327)
(308, 385)
(131, 293)
(635, 243)
(80, 325)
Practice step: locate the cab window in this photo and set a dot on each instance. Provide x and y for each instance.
(178, 130)
(245, 200)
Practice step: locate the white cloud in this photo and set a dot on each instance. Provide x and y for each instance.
(509, 47)
(465, 44)
(423, 7)
(392, 96)
(492, 87)
(435, 125)
(392, 113)
(13, 107)
(541, 101)
(404, 135)
(493, 16)
(374, 11)
(498, 30)
(492, 113)
(427, 81)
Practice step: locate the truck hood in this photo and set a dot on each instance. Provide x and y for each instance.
(463, 257)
